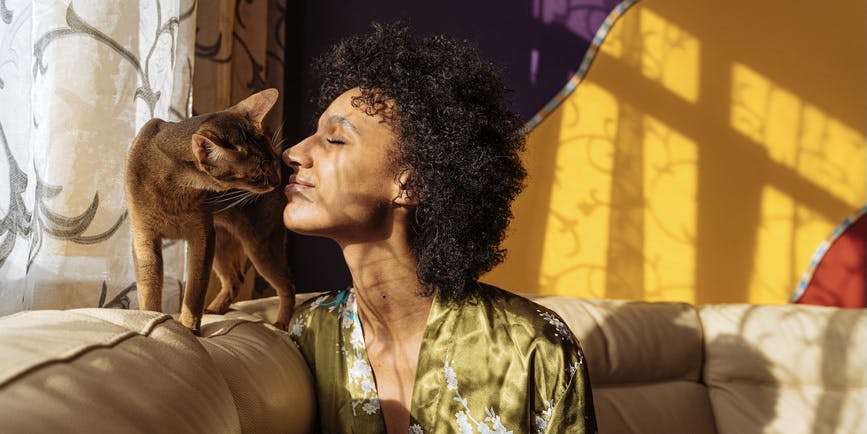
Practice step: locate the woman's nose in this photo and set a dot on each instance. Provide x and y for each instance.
(298, 155)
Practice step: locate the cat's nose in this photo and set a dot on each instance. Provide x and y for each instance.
(272, 176)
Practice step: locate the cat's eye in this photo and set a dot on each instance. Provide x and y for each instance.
(225, 144)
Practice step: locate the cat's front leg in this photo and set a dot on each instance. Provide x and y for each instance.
(148, 258)
(200, 257)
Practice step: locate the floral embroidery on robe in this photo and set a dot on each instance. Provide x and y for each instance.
(496, 363)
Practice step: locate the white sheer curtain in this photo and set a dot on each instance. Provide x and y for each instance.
(77, 80)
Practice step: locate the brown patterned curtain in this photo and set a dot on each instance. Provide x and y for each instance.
(239, 51)
(240, 46)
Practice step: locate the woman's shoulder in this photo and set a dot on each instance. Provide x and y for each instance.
(515, 307)
(526, 319)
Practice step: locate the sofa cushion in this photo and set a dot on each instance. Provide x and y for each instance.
(107, 370)
(268, 377)
(656, 407)
(791, 369)
(634, 342)
(645, 362)
(266, 308)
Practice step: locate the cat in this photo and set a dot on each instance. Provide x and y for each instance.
(187, 180)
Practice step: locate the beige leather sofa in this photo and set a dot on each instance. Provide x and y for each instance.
(655, 368)
(120, 371)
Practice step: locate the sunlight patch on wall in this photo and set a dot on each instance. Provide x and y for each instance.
(612, 208)
(819, 149)
(669, 55)
(670, 183)
(576, 236)
(833, 156)
(787, 236)
(811, 229)
(799, 136)
(771, 281)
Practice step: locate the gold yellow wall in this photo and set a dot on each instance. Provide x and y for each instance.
(709, 150)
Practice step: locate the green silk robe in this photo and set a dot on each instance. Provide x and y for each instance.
(498, 363)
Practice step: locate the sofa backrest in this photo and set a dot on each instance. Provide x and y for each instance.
(786, 369)
(112, 370)
(645, 364)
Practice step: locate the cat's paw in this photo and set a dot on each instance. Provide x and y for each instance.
(196, 332)
(192, 323)
(282, 325)
(220, 305)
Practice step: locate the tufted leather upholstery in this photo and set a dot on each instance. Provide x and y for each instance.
(654, 367)
(109, 370)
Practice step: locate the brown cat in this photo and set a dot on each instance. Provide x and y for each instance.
(187, 180)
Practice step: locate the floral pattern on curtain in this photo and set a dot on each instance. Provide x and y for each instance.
(78, 78)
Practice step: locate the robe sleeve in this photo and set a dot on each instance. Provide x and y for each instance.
(564, 402)
(573, 412)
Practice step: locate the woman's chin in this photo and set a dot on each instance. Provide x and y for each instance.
(296, 222)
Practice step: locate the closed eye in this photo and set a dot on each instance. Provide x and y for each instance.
(335, 141)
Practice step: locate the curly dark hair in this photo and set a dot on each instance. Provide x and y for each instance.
(457, 137)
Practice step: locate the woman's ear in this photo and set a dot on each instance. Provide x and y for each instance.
(405, 196)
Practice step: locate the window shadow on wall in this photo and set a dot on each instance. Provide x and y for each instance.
(709, 150)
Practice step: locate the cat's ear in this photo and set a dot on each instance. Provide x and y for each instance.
(208, 152)
(256, 106)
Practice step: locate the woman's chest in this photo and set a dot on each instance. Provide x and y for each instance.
(394, 368)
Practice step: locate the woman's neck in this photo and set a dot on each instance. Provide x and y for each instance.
(387, 290)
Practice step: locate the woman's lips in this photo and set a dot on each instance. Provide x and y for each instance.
(293, 188)
(296, 185)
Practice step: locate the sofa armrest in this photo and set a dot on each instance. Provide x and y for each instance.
(266, 373)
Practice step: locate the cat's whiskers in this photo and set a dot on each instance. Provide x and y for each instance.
(276, 144)
(248, 200)
(279, 145)
(226, 197)
(233, 199)
(239, 200)
(231, 205)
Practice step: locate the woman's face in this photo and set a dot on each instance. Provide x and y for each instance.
(343, 183)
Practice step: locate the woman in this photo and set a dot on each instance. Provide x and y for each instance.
(412, 170)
